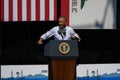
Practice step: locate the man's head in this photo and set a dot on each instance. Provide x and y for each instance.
(62, 21)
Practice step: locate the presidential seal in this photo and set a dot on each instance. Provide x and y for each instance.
(64, 48)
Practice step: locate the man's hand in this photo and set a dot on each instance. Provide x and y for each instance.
(40, 42)
(74, 37)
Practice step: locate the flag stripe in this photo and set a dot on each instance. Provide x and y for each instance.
(51, 9)
(28, 10)
(24, 10)
(19, 10)
(46, 10)
(55, 10)
(6, 10)
(2, 10)
(42, 10)
(10, 10)
(37, 10)
(33, 10)
(15, 10)
(65, 9)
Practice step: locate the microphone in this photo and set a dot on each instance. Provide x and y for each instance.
(62, 32)
(59, 32)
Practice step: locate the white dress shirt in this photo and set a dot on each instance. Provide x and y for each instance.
(57, 36)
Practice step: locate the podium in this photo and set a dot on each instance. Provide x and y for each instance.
(63, 55)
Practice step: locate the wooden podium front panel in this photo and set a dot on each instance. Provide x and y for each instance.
(63, 69)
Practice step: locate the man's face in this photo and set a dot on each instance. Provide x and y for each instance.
(61, 22)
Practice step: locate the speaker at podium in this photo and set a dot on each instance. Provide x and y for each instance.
(62, 55)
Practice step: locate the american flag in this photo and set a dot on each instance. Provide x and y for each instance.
(28, 10)
(33, 10)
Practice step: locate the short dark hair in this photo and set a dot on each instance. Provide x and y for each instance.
(62, 17)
